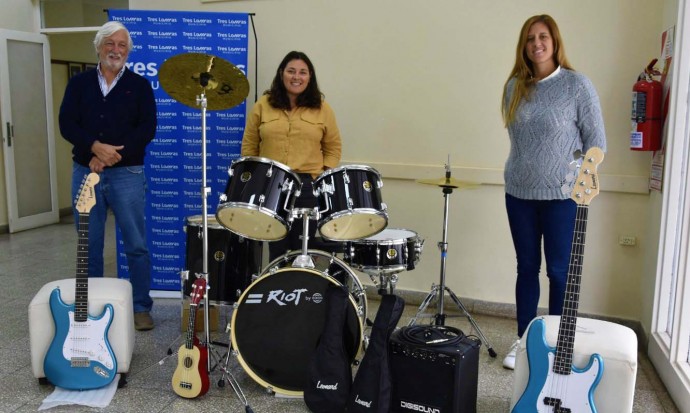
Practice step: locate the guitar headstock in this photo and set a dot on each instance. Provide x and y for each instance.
(87, 195)
(587, 182)
(198, 291)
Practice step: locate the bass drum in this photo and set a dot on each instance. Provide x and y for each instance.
(279, 318)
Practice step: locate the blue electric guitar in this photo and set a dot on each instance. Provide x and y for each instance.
(555, 385)
(80, 357)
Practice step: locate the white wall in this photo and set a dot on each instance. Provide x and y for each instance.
(413, 82)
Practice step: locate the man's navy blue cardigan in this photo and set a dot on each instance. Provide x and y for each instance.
(126, 116)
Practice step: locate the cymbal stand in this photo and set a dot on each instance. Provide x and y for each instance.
(205, 190)
(439, 291)
(227, 376)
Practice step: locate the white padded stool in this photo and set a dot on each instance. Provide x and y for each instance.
(102, 291)
(617, 346)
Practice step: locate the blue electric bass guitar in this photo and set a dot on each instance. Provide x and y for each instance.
(80, 356)
(555, 385)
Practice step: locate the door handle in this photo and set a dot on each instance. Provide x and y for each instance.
(10, 129)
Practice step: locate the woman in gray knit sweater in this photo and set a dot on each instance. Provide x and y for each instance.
(550, 112)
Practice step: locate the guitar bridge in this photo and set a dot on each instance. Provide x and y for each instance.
(79, 362)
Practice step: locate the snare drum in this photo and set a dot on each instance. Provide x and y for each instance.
(349, 200)
(231, 260)
(391, 250)
(278, 320)
(258, 199)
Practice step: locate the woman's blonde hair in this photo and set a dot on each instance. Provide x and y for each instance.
(523, 71)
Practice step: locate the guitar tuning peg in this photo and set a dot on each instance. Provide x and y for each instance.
(577, 154)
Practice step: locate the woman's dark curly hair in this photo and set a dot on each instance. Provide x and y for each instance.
(277, 94)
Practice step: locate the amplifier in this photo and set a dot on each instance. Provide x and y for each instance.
(434, 369)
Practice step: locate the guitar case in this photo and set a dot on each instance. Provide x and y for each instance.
(371, 390)
(329, 370)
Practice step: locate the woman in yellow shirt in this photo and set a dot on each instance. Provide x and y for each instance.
(292, 124)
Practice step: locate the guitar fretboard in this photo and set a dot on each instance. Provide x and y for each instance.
(566, 331)
(81, 294)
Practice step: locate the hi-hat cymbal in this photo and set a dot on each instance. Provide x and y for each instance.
(187, 75)
(449, 183)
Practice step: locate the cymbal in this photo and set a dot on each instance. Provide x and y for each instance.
(186, 76)
(449, 183)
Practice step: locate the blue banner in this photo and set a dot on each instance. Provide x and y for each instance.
(173, 162)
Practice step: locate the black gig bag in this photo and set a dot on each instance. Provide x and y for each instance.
(371, 390)
(330, 372)
(434, 369)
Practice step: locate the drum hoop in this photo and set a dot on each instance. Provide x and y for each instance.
(340, 214)
(258, 209)
(214, 225)
(346, 167)
(245, 365)
(269, 161)
(391, 241)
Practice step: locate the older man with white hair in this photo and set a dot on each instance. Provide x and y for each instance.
(108, 114)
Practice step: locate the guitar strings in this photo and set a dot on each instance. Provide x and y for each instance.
(563, 358)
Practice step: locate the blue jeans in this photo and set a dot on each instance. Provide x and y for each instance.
(124, 191)
(530, 221)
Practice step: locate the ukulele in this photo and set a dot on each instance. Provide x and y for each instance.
(80, 356)
(555, 385)
(190, 378)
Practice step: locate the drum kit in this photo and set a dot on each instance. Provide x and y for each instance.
(278, 312)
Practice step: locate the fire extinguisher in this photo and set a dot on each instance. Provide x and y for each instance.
(646, 112)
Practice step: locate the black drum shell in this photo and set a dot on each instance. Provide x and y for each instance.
(350, 196)
(231, 260)
(263, 193)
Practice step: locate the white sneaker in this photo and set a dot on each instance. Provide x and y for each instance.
(509, 360)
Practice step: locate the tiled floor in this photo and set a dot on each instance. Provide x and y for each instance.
(32, 258)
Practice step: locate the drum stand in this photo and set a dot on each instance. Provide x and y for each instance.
(304, 260)
(440, 289)
(386, 282)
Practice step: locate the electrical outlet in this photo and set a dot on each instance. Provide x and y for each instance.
(627, 240)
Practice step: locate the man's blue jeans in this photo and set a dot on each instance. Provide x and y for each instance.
(123, 190)
(530, 221)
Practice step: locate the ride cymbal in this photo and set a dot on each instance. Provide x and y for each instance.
(186, 76)
(449, 183)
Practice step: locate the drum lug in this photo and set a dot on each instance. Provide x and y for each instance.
(346, 177)
(223, 198)
(329, 188)
(350, 203)
(262, 198)
(384, 207)
(286, 186)
(269, 172)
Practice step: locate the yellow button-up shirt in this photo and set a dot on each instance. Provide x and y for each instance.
(305, 139)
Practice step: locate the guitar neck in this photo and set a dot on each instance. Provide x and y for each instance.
(81, 301)
(189, 341)
(566, 331)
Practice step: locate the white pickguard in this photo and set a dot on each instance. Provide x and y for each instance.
(572, 390)
(87, 339)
